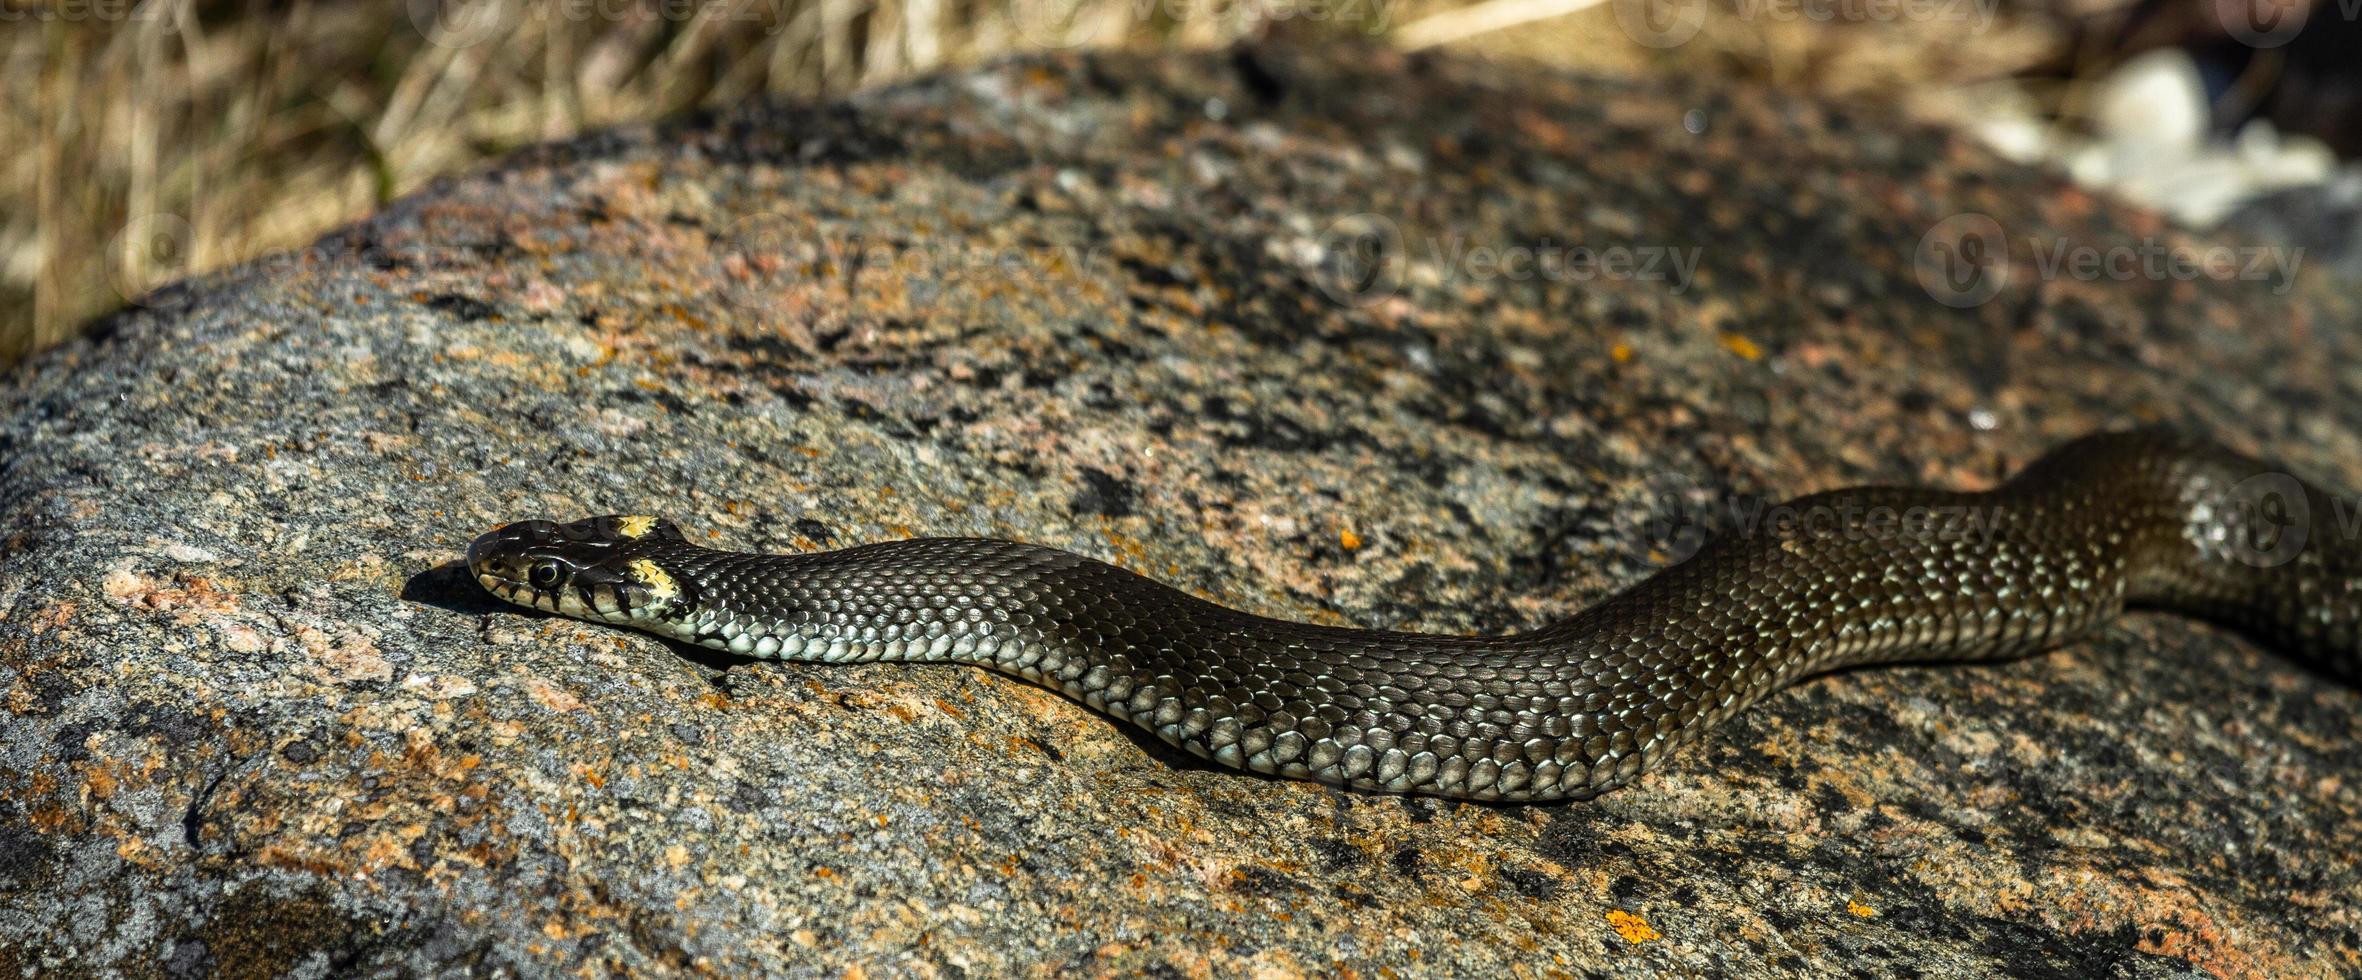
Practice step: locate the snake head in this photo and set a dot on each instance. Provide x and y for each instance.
(604, 569)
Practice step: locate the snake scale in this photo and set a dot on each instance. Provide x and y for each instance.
(1885, 574)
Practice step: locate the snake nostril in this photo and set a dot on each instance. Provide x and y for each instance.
(482, 547)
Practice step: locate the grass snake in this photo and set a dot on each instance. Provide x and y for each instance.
(1860, 576)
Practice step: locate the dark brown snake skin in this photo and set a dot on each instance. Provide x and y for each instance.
(1881, 574)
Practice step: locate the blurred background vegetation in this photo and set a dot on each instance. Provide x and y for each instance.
(153, 139)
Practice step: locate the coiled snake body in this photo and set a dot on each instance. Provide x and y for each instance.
(1866, 575)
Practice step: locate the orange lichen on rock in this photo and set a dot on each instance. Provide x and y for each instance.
(1633, 928)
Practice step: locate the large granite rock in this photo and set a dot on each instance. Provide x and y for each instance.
(1222, 319)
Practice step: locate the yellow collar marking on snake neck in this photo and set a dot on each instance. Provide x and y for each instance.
(659, 582)
(637, 525)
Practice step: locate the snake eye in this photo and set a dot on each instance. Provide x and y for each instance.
(543, 574)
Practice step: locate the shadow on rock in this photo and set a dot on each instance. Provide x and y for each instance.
(449, 586)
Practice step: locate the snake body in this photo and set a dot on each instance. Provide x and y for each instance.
(1881, 574)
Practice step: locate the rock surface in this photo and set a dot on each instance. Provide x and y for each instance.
(252, 723)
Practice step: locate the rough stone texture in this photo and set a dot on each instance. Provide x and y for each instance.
(251, 722)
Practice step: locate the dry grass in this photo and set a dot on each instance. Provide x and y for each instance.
(159, 138)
